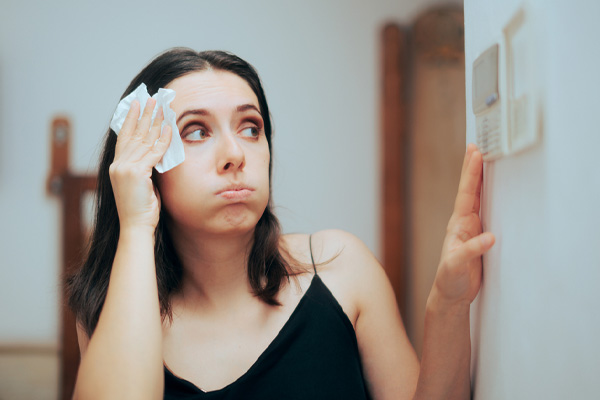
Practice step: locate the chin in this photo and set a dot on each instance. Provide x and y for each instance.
(233, 220)
(240, 219)
(207, 216)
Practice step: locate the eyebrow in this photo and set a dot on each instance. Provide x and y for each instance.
(202, 111)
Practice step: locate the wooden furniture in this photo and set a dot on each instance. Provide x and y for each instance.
(70, 188)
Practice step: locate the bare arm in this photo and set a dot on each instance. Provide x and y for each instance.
(445, 365)
(390, 365)
(123, 358)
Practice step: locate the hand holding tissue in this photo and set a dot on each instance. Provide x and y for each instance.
(175, 154)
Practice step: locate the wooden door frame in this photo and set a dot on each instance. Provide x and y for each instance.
(394, 59)
(437, 36)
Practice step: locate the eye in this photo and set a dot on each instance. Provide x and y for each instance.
(195, 135)
(251, 131)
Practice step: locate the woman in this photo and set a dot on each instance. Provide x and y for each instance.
(191, 292)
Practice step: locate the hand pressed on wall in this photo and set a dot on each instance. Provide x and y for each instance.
(459, 273)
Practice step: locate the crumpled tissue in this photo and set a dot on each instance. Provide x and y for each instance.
(175, 154)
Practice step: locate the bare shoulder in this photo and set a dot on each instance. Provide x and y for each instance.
(361, 287)
(333, 251)
(344, 263)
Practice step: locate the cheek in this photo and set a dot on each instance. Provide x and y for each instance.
(181, 187)
(266, 156)
(168, 181)
(257, 174)
(264, 166)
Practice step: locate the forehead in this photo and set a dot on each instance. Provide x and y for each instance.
(211, 90)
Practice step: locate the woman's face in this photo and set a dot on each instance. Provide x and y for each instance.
(222, 187)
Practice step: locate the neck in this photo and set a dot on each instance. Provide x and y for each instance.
(215, 273)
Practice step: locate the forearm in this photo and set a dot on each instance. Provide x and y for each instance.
(445, 363)
(124, 355)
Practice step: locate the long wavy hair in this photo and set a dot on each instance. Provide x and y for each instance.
(266, 266)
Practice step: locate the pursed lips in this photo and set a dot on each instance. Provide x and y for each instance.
(235, 192)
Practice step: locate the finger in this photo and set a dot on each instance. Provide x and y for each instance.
(160, 148)
(140, 150)
(467, 188)
(154, 131)
(130, 120)
(132, 129)
(144, 123)
(468, 152)
(128, 126)
(471, 249)
(477, 204)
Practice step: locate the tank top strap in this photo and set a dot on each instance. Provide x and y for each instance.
(311, 254)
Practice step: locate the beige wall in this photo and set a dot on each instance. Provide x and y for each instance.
(28, 373)
(536, 324)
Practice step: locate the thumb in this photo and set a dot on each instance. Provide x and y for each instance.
(472, 248)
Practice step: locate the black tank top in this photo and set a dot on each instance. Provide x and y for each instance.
(314, 356)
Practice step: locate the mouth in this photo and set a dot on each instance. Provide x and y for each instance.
(236, 192)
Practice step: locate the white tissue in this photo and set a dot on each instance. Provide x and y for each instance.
(175, 153)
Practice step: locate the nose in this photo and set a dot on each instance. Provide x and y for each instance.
(230, 155)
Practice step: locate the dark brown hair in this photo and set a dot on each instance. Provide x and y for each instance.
(266, 266)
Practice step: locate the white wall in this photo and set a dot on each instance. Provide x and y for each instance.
(536, 322)
(319, 63)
